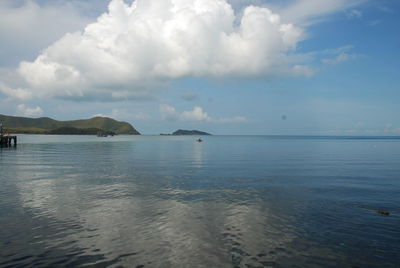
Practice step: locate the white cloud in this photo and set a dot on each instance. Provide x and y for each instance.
(338, 55)
(196, 115)
(168, 112)
(22, 109)
(354, 14)
(342, 57)
(306, 12)
(17, 93)
(123, 114)
(152, 41)
(134, 48)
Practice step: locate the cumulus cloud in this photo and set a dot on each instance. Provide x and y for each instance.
(134, 48)
(152, 41)
(17, 93)
(24, 110)
(196, 115)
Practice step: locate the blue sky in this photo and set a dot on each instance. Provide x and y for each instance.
(296, 68)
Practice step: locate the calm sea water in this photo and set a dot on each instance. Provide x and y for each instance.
(230, 201)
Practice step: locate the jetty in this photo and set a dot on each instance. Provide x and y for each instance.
(6, 139)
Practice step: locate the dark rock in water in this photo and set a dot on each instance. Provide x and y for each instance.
(379, 211)
(383, 212)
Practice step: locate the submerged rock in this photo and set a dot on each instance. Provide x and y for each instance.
(383, 212)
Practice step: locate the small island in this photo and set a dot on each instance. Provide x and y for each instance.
(183, 132)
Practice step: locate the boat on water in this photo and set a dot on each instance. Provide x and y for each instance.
(102, 134)
(199, 140)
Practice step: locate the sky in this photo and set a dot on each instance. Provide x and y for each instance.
(228, 67)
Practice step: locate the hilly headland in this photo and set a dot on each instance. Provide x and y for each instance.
(46, 125)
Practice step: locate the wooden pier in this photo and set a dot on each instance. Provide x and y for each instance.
(6, 140)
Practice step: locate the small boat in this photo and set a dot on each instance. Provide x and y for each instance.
(102, 134)
(199, 140)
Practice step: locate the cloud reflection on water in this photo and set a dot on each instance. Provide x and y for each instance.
(130, 219)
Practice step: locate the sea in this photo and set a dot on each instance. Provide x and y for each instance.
(229, 201)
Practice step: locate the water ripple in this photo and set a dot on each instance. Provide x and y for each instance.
(172, 202)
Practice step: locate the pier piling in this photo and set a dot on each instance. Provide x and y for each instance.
(5, 138)
(8, 140)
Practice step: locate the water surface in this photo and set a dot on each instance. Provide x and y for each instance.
(230, 201)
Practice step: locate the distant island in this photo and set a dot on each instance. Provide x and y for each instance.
(46, 125)
(181, 132)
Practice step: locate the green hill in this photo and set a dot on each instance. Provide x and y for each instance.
(80, 131)
(45, 125)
